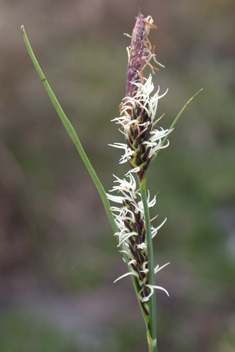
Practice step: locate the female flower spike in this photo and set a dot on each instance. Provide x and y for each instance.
(138, 108)
(132, 235)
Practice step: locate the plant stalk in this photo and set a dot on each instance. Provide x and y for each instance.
(152, 328)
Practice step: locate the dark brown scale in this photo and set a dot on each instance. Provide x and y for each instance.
(137, 142)
(145, 308)
(128, 226)
(147, 163)
(132, 207)
(137, 159)
(146, 130)
(147, 134)
(145, 290)
(138, 239)
(133, 115)
(129, 142)
(133, 266)
(143, 235)
(143, 287)
(139, 110)
(142, 275)
(144, 117)
(141, 174)
(140, 257)
(142, 149)
(141, 129)
(132, 242)
(126, 193)
(146, 154)
(137, 217)
(135, 133)
(132, 251)
(138, 269)
(136, 227)
(142, 224)
(131, 131)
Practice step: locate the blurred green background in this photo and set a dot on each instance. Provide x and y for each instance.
(58, 256)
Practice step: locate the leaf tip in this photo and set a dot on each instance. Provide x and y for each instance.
(198, 92)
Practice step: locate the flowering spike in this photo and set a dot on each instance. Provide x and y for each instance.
(130, 221)
(137, 119)
(139, 53)
(136, 54)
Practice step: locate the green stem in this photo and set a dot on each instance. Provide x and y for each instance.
(71, 132)
(152, 329)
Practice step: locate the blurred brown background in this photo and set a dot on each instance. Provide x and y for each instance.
(58, 256)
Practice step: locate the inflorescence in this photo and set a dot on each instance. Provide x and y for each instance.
(143, 139)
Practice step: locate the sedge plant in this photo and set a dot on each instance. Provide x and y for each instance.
(143, 140)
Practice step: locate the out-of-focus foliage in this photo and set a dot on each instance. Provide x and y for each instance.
(58, 257)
